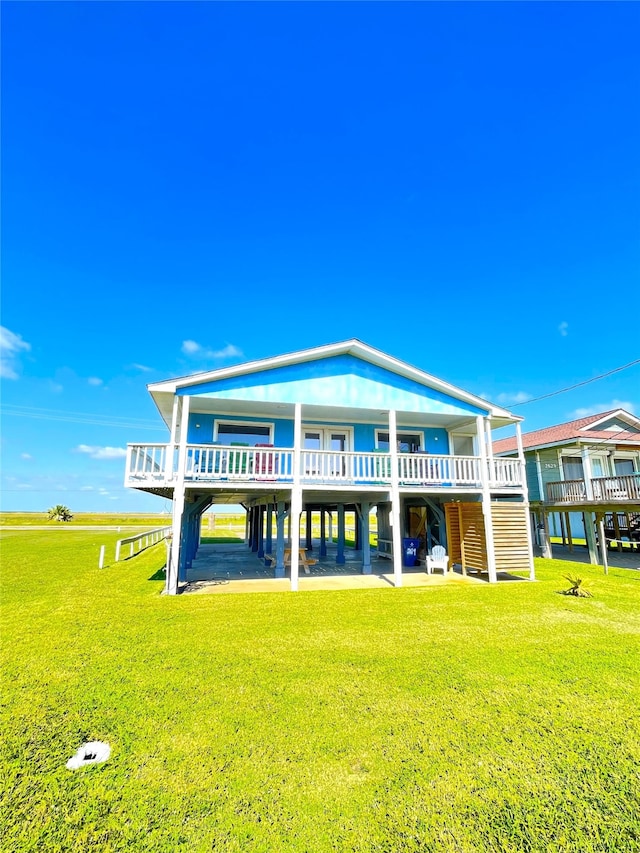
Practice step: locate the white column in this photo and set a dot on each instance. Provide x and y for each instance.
(171, 587)
(603, 543)
(296, 496)
(523, 474)
(539, 475)
(587, 473)
(486, 502)
(168, 462)
(395, 501)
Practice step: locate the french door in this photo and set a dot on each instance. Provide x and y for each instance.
(323, 448)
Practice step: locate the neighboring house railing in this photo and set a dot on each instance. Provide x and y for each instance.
(624, 487)
(155, 464)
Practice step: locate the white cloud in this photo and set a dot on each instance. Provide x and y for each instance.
(604, 407)
(142, 367)
(26, 456)
(563, 328)
(102, 452)
(86, 488)
(511, 399)
(94, 380)
(191, 348)
(195, 350)
(55, 387)
(11, 345)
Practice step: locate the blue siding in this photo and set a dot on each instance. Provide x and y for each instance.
(203, 434)
(201, 428)
(322, 382)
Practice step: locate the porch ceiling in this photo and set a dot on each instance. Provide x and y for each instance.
(324, 414)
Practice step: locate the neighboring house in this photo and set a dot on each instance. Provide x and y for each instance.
(583, 476)
(337, 428)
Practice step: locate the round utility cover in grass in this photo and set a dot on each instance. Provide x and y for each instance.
(94, 752)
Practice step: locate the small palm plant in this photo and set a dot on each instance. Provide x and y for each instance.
(577, 588)
(59, 512)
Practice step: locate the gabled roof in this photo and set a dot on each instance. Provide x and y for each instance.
(595, 428)
(161, 391)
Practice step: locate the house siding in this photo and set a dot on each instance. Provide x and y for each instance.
(201, 431)
(325, 381)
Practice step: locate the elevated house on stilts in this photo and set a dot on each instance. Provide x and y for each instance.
(335, 429)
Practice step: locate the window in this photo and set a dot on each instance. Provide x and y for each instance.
(243, 433)
(623, 466)
(572, 467)
(408, 442)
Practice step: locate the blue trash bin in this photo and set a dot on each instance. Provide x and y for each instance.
(410, 551)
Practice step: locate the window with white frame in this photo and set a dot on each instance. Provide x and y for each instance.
(408, 442)
(231, 432)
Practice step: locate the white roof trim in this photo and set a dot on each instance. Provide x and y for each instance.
(350, 347)
(621, 414)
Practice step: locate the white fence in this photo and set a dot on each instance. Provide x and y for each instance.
(143, 540)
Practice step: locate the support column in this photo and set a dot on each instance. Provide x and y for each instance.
(177, 532)
(269, 542)
(261, 514)
(590, 535)
(323, 539)
(396, 532)
(587, 473)
(254, 528)
(567, 517)
(486, 502)
(340, 560)
(366, 544)
(525, 489)
(543, 532)
(296, 497)
(296, 512)
(309, 531)
(280, 517)
(603, 542)
(330, 513)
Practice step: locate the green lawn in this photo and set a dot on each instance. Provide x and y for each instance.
(451, 718)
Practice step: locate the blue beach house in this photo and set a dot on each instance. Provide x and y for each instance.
(334, 429)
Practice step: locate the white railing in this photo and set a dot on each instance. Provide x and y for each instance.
(228, 462)
(150, 462)
(568, 491)
(427, 470)
(143, 540)
(625, 487)
(505, 472)
(156, 464)
(622, 487)
(327, 466)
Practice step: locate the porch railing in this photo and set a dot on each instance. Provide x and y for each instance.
(623, 487)
(157, 464)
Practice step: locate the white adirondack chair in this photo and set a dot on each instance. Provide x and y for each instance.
(437, 559)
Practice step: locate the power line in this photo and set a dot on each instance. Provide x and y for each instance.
(577, 385)
(79, 417)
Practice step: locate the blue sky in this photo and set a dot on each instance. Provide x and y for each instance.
(185, 185)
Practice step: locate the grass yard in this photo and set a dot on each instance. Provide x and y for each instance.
(452, 718)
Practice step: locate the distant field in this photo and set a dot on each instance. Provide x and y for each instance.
(85, 518)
